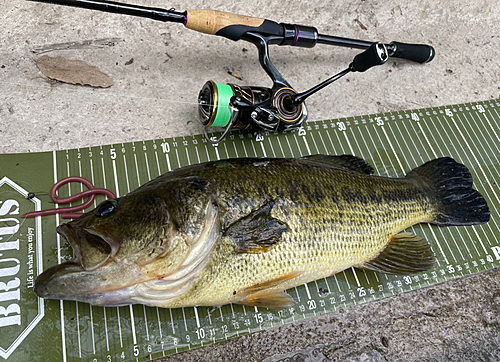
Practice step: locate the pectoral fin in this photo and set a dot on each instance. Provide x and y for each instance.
(263, 294)
(257, 232)
(405, 254)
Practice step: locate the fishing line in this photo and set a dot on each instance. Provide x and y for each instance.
(98, 93)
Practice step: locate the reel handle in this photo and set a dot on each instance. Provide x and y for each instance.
(420, 53)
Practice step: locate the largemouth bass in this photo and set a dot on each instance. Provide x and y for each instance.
(244, 230)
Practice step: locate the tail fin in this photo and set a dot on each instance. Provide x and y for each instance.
(450, 185)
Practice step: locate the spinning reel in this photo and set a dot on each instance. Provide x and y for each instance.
(280, 107)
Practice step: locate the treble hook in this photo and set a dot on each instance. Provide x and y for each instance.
(69, 212)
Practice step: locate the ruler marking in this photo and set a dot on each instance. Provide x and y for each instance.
(196, 316)
(187, 155)
(272, 148)
(225, 149)
(348, 143)
(157, 163)
(355, 277)
(178, 159)
(323, 142)
(168, 162)
(197, 154)
(146, 322)
(305, 143)
(58, 243)
(314, 141)
(184, 317)
(244, 148)
(281, 147)
(235, 150)
(290, 147)
(106, 328)
(147, 165)
(125, 167)
(263, 149)
(426, 139)
(139, 182)
(253, 146)
(298, 146)
(307, 291)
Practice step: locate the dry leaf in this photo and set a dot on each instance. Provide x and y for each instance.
(73, 71)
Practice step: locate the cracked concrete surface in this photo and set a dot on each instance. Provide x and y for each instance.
(158, 71)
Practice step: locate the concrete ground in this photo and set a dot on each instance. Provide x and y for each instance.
(158, 70)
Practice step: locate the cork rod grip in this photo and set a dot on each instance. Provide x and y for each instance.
(211, 21)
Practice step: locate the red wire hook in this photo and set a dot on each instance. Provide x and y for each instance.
(69, 212)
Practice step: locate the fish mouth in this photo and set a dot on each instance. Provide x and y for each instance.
(91, 250)
(84, 278)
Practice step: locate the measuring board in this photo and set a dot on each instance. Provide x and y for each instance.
(394, 143)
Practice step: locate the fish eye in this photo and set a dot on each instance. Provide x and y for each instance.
(106, 208)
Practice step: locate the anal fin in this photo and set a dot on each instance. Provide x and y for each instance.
(269, 299)
(405, 254)
(266, 295)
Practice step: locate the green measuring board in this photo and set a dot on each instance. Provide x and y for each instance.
(394, 143)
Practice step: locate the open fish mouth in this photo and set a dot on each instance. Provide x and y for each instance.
(90, 249)
(75, 279)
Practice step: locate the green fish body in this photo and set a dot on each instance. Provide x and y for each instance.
(244, 230)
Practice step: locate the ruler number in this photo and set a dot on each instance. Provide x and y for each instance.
(448, 112)
(341, 126)
(380, 121)
(311, 304)
(415, 117)
(480, 108)
(165, 147)
(112, 153)
(200, 333)
(258, 318)
(136, 350)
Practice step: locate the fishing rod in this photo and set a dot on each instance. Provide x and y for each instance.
(280, 107)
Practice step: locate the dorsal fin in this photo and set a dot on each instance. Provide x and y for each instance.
(257, 232)
(405, 254)
(349, 162)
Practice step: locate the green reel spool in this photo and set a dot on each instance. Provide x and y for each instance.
(214, 100)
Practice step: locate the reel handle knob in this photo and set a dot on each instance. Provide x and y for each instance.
(376, 54)
(420, 53)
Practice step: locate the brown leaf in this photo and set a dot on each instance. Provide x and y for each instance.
(73, 71)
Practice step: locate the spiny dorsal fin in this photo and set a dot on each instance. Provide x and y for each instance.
(260, 295)
(405, 254)
(257, 232)
(348, 162)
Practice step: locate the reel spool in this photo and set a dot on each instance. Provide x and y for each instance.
(231, 106)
